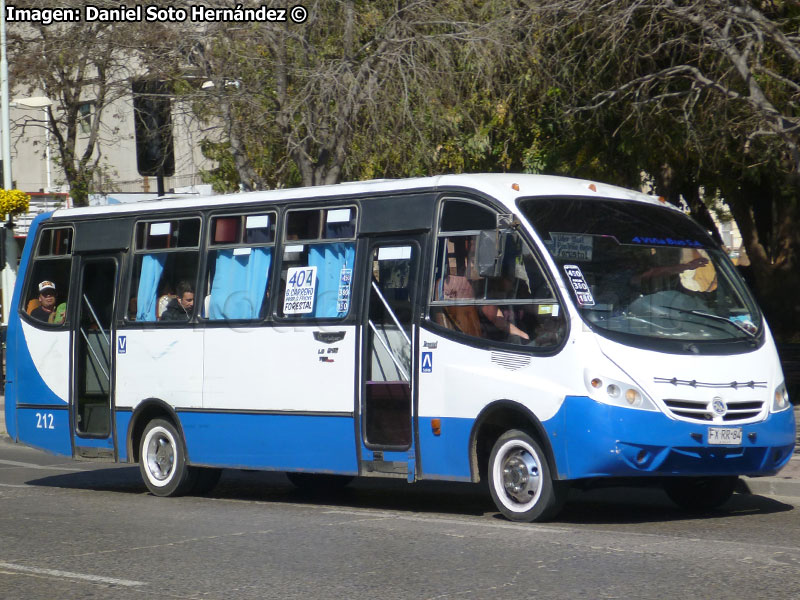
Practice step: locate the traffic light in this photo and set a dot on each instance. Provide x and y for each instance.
(153, 119)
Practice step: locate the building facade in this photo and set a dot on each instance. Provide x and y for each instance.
(36, 165)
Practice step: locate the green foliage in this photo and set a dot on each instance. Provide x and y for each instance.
(224, 178)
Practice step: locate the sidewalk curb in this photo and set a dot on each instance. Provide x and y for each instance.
(785, 483)
(770, 486)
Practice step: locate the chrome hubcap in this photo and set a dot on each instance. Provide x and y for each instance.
(160, 457)
(521, 476)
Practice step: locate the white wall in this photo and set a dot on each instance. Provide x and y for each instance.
(117, 148)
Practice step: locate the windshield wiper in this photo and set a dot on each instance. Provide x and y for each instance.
(700, 313)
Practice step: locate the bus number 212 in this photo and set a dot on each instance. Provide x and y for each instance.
(44, 421)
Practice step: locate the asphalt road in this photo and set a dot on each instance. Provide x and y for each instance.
(88, 530)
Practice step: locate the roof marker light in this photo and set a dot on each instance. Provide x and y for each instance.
(515, 187)
(593, 187)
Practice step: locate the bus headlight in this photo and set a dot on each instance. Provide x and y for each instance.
(780, 401)
(616, 392)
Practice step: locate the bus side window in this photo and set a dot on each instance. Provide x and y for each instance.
(47, 289)
(317, 266)
(167, 257)
(241, 250)
(512, 302)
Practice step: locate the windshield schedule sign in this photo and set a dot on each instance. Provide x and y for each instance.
(582, 291)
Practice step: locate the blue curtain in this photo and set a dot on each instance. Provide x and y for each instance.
(334, 264)
(147, 296)
(237, 290)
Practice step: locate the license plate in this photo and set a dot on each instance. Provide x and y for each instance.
(725, 436)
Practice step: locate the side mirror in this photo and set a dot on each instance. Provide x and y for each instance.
(491, 246)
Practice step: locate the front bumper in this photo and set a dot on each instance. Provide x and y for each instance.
(590, 439)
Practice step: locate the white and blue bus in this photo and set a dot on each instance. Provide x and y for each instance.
(525, 331)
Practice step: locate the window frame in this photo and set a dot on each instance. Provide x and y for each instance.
(86, 113)
(282, 243)
(537, 255)
(274, 212)
(35, 257)
(134, 252)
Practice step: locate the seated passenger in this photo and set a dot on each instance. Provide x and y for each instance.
(164, 300)
(465, 318)
(180, 308)
(47, 311)
(461, 318)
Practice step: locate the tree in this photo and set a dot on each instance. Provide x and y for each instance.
(293, 99)
(702, 95)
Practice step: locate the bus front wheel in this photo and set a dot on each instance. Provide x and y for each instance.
(520, 481)
(162, 460)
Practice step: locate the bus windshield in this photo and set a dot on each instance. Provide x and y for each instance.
(643, 270)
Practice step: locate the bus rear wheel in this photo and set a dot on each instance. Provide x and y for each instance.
(700, 493)
(162, 460)
(520, 481)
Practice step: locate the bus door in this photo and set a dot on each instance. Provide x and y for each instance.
(91, 401)
(387, 361)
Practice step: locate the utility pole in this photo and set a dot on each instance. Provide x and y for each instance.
(9, 273)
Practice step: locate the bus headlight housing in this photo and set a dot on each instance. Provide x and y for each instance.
(780, 400)
(618, 393)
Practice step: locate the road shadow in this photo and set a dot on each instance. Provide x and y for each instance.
(265, 486)
(631, 505)
(115, 479)
(616, 505)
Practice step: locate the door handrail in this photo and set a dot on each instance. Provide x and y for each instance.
(396, 362)
(96, 358)
(391, 312)
(96, 320)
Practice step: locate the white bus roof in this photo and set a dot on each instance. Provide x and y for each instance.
(505, 187)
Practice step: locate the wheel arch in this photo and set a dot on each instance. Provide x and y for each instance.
(494, 420)
(146, 411)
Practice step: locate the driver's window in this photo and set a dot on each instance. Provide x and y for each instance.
(489, 284)
(45, 298)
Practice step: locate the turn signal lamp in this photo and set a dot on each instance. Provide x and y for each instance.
(436, 426)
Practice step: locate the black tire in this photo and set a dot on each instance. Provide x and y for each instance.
(162, 460)
(318, 482)
(700, 493)
(520, 482)
(205, 479)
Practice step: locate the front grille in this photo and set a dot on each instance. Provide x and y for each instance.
(700, 410)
